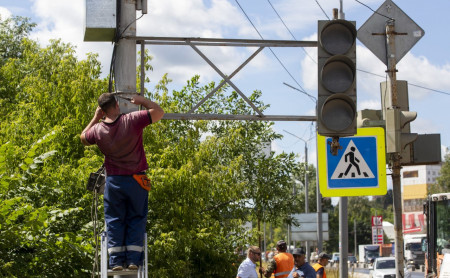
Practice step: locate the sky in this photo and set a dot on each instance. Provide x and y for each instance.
(426, 66)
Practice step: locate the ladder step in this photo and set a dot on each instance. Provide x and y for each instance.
(122, 272)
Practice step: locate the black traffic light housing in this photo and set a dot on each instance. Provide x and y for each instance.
(336, 107)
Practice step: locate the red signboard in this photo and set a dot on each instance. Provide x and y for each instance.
(377, 221)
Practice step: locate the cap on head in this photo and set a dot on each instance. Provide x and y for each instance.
(281, 245)
(298, 251)
(324, 255)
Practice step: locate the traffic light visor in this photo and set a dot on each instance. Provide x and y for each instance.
(338, 37)
(338, 112)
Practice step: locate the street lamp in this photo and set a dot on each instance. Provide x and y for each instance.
(306, 182)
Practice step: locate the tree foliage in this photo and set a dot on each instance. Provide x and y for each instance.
(442, 184)
(208, 178)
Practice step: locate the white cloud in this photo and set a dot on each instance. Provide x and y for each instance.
(4, 13)
(419, 71)
(369, 104)
(424, 126)
(65, 19)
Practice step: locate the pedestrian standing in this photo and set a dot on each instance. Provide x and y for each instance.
(282, 263)
(319, 267)
(247, 269)
(301, 267)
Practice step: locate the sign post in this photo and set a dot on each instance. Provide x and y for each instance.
(390, 34)
(377, 229)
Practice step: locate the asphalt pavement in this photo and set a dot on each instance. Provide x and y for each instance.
(365, 273)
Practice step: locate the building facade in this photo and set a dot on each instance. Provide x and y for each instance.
(415, 181)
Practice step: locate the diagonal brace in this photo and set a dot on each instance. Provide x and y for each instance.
(226, 79)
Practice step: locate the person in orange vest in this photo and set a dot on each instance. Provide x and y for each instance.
(319, 267)
(281, 264)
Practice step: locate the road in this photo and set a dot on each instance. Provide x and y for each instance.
(364, 273)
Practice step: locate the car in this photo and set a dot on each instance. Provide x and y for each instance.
(334, 259)
(352, 260)
(384, 267)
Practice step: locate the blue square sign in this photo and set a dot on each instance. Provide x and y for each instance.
(358, 169)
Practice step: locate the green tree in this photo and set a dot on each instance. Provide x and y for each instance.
(204, 174)
(442, 184)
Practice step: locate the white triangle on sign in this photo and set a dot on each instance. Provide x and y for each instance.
(352, 165)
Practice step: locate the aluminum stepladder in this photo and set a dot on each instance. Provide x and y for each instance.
(142, 272)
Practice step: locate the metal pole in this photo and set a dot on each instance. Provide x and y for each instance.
(395, 157)
(375, 241)
(125, 62)
(288, 238)
(259, 237)
(306, 195)
(319, 204)
(265, 240)
(343, 237)
(354, 232)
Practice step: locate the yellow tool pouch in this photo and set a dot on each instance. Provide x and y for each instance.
(143, 181)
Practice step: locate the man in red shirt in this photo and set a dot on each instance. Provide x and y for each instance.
(119, 138)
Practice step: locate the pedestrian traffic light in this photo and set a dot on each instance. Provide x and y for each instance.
(336, 106)
(399, 138)
(396, 139)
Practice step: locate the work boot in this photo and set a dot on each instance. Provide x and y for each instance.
(133, 267)
(117, 268)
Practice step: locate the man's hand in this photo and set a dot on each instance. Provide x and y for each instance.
(262, 270)
(138, 99)
(98, 113)
(97, 116)
(155, 110)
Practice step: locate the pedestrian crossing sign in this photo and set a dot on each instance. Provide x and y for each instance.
(359, 168)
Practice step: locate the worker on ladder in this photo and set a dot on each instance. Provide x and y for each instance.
(119, 138)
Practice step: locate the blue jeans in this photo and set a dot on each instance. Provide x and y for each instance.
(126, 208)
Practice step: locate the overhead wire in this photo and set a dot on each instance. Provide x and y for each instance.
(322, 9)
(292, 35)
(390, 18)
(117, 37)
(281, 63)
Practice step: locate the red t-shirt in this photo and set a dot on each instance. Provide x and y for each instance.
(121, 142)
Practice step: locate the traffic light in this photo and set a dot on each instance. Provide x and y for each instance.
(399, 138)
(336, 50)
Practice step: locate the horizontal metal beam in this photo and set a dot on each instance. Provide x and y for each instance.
(221, 42)
(224, 117)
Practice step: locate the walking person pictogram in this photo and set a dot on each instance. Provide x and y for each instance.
(352, 165)
(351, 158)
(353, 162)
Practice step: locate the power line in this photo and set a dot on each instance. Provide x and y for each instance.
(322, 9)
(410, 84)
(281, 63)
(314, 99)
(365, 5)
(301, 88)
(290, 31)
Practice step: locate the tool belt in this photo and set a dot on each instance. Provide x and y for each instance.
(143, 181)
